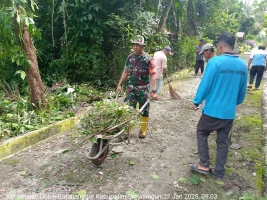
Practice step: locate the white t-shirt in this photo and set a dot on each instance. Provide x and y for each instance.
(259, 58)
(160, 60)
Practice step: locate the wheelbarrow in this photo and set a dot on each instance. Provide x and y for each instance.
(100, 149)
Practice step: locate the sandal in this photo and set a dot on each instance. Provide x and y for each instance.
(194, 167)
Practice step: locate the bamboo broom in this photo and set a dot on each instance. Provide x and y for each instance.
(173, 93)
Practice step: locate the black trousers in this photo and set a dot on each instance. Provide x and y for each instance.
(205, 126)
(199, 65)
(256, 70)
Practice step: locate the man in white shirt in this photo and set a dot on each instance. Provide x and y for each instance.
(160, 59)
(258, 61)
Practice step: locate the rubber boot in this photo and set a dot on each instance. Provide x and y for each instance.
(144, 122)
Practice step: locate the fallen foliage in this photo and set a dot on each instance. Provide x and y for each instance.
(107, 117)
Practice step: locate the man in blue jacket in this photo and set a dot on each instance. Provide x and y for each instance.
(223, 86)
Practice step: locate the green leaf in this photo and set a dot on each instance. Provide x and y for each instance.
(182, 180)
(27, 64)
(31, 20)
(114, 155)
(22, 75)
(90, 16)
(219, 182)
(194, 180)
(26, 21)
(57, 117)
(131, 162)
(132, 194)
(17, 61)
(22, 129)
(32, 6)
(80, 194)
(62, 151)
(28, 126)
(229, 193)
(71, 114)
(202, 179)
(23, 173)
(155, 176)
(18, 19)
(93, 140)
(18, 72)
(170, 173)
(65, 150)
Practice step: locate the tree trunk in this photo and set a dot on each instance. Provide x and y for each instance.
(180, 27)
(190, 18)
(164, 16)
(175, 19)
(33, 75)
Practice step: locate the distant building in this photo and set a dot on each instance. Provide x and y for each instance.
(240, 36)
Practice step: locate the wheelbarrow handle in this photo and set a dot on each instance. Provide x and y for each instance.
(142, 108)
(117, 95)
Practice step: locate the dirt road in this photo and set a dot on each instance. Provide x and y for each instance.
(152, 168)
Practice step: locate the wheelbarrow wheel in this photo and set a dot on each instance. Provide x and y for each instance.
(96, 148)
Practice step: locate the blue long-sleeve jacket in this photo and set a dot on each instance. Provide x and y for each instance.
(223, 86)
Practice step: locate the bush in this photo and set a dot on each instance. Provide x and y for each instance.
(184, 56)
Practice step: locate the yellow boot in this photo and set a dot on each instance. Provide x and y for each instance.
(144, 122)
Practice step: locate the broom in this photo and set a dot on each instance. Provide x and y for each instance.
(173, 93)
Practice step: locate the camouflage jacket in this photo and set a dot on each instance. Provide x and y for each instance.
(140, 68)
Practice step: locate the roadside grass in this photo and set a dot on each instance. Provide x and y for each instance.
(17, 116)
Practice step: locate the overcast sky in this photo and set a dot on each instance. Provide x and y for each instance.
(250, 1)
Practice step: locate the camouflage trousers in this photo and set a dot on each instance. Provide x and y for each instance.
(139, 95)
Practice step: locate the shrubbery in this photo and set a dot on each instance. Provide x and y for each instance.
(17, 117)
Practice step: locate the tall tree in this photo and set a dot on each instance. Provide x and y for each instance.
(32, 73)
(164, 16)
(191, 23)
(21, 23)
(260, 8)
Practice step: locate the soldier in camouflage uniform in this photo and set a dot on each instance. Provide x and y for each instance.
(141, 70)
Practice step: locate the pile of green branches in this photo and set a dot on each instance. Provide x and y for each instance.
(107, 117)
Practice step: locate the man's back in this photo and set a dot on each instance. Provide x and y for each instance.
(223, 86)
(160, 61)
(259, 58)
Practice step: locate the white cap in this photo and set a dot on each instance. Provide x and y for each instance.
(205, 47)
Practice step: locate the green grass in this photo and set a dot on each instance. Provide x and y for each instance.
(248, 133)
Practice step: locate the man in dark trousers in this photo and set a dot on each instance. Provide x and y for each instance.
(207, 51)
(223, 86)
(258, 60)
(199, 58)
